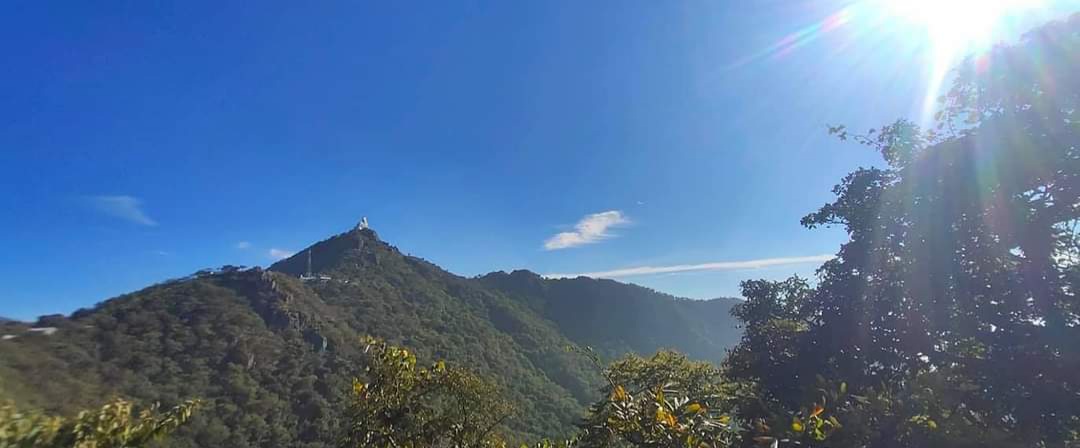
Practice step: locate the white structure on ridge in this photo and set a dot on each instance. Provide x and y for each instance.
(363, 224)
(307, 275)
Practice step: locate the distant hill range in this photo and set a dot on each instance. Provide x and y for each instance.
(274, 350)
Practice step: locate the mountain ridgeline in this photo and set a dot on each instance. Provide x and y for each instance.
(273, 351)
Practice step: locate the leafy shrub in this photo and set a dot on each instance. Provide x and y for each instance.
(115, 425)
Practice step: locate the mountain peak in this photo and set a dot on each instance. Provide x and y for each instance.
(357, 247)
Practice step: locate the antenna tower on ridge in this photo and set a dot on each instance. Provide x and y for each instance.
(362, 225)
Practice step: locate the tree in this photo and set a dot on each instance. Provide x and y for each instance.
(402, 405)
(960, 274)
(663, 401)
(115, 425)
(775, 316)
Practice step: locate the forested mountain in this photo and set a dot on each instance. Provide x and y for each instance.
(273, 351)
(609, 316)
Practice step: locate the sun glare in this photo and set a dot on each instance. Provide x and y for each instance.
(957, 24)
(953, 29)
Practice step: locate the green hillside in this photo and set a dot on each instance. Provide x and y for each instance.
(274, 353)
(609, 316)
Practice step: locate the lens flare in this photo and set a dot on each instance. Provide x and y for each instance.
(952, 29)
(799, 38)
(956, 24)
(936, 34)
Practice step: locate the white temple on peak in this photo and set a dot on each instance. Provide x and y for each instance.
(363, 224)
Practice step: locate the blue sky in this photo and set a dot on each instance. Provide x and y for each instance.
(141, 141)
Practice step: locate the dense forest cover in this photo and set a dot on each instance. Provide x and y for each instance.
(948, 318)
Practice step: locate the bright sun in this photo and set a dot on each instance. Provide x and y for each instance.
(952, 29)
(957, 25)
(934, 35)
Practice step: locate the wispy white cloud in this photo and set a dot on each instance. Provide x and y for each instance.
(716, 266)
(242, 245)
(590, 229)
(163, 253)
(128, 208)
(279, 254)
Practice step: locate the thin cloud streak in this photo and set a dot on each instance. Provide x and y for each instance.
(243, 245)
(716, 266)
(590, 229)
(128, 208)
